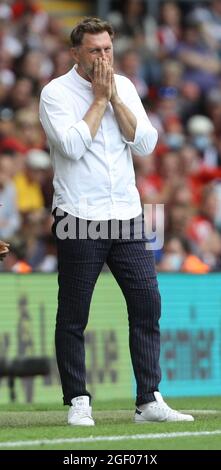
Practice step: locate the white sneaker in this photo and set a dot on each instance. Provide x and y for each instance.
(79, 413)
(157, 411)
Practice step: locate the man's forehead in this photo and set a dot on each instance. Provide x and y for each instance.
(99, 39)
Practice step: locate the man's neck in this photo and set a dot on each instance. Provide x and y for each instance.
(81, 72)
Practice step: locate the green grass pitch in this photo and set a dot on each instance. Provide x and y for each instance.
(44, 427)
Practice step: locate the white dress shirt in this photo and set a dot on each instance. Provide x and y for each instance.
(93, 178)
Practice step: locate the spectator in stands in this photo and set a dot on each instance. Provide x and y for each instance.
(209, 18)
(49, 261)
(134, 27)
(16, 260)
(62, 62)
(130, 66)
(213, 110)
(178, 257)
(29, 132)
(201, 63)
(202, 230)
(137, 29)
(201, 133)
(170, 29)
(178, 217)
(9, 215)
(21, 94)
(30, 180)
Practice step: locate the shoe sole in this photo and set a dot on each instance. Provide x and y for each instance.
(144, 421)
(80, 424)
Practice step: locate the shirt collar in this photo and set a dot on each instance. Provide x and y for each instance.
(80, 79)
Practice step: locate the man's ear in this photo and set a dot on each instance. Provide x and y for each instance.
(74, 54)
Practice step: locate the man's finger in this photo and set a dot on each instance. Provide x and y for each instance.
(109, 74)
(4, 251)
(3, 245)
(104, 70)
(100, 69)
(95, 68)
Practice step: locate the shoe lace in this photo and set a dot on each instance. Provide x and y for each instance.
(83, 412)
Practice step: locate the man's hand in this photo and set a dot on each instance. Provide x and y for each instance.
(102, 80)
(102, 89)
(4, 249)
(114, 95)
(126, 120)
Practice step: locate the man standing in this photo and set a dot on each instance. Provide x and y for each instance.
(93, 119)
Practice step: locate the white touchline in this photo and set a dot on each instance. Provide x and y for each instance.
(202, 412)
(76, 440)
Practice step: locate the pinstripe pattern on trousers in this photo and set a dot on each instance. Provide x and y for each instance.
(79, 265)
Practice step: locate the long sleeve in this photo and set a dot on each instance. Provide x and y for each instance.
(146, 135)
(70, 138)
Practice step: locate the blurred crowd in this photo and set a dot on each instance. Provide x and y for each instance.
(175, 64)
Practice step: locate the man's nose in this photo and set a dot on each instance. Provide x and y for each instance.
(102, 54)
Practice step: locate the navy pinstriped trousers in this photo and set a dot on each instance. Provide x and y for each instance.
(79, 265)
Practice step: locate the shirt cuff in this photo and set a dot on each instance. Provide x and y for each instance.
(84, 131)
